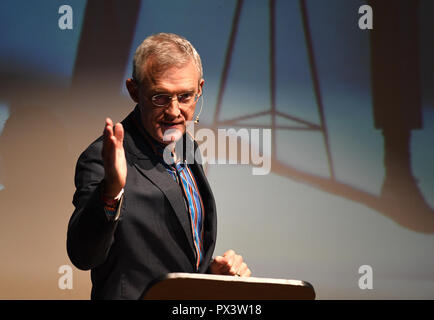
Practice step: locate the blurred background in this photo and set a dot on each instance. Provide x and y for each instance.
(351, 113)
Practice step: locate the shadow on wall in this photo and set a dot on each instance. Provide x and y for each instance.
(35, 202)
(397, 111)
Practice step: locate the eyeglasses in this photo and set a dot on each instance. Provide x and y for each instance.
(184, 99)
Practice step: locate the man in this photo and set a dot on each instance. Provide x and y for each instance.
(138, 217)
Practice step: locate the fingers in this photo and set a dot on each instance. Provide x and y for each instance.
(244, 271)
(234, 261)
(119, 132)
(109, 122)
(113, 137)
(108, 129)
(230, 264)
(229, 253)
(218, 266)
(113, 155)
(113, 133)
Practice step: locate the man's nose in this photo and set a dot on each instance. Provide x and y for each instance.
(173, 109)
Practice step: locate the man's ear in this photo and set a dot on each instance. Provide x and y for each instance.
(133, 89)
(201, 83)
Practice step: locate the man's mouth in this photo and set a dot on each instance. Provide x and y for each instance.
(169, 125)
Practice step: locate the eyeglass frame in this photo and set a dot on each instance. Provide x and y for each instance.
(195, 99)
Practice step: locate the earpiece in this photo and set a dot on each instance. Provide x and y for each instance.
(201, 105)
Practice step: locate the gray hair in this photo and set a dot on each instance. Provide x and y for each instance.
(166, 50)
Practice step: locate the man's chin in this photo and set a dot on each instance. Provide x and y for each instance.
(172, 134)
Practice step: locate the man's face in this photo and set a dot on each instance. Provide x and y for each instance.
(172, 82)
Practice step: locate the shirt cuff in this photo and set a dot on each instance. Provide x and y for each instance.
(112, 207)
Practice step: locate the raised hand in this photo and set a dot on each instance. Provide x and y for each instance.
(113, 155)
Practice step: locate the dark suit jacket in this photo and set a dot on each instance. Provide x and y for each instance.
(153, 235)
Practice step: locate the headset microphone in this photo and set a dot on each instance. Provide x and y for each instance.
(201, 105)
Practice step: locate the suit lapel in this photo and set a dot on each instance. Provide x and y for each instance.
(141, 156)
(157, 174)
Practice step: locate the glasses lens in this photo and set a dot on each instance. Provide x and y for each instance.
(161, 100)
(185, 98)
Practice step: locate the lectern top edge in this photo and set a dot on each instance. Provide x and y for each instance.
(179, 275)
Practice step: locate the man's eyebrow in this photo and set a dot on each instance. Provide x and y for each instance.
(157, 90)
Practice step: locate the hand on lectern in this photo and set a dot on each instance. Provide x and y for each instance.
(231, 264)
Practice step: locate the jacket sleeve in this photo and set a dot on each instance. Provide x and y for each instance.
(90, 234)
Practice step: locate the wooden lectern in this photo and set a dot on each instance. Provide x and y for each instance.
(195, 286)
